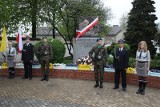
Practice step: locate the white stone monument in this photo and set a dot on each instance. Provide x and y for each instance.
(82, 46)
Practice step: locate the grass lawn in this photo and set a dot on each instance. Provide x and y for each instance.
(68, 60)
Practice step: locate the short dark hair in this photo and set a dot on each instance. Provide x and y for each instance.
(27, 37)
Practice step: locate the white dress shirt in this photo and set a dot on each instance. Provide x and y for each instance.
(145, 56)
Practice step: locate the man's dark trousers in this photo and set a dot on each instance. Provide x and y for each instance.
(117, 78)
(28, 69)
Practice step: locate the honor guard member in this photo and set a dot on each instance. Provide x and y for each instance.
(27, 58)
(45, 52)
(98, 56)
(11, 60)
(120, 64)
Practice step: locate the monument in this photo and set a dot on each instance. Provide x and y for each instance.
(83, 44)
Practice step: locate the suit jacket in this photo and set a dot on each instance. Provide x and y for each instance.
(27, 52)
(121, 59)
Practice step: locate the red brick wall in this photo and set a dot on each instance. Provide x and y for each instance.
(85, 75)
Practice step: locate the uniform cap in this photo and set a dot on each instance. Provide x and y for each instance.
(99, 39)
(121, 41)
(45, 37)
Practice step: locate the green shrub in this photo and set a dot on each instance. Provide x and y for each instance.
(157, 56)
(132, 62)
(155, 63)
(110, 60)
(58, 49)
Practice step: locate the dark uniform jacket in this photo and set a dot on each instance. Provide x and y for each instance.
(121, 59)
(98, 54)
(27, 52)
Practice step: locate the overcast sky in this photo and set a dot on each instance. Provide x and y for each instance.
(120, 7)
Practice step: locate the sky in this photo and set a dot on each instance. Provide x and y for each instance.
(120, 7)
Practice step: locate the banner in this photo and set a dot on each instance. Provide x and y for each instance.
(4, 42)
(19, 40)
(86, 25)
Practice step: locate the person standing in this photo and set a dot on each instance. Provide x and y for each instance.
(11, 60)
(120, 63)
(27, 58)
(45, 52)
(99, 61)
(142, 65)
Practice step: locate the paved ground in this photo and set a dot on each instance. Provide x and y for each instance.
(71, 93)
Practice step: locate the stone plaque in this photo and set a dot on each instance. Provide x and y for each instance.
(83, 46)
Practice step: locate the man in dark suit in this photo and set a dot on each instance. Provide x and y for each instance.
(120, 64)
(27, 58)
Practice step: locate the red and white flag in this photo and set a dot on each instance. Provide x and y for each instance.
(19, 41)
(86, 29)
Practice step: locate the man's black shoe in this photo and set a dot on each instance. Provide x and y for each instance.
(115, 88)
(44, 77)
(101, 86)
(24, 77)
(47, 78)
(124, 89)
(96, 85)
(30, 78)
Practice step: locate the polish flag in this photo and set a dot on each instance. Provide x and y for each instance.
(19, 41)
(86, 29)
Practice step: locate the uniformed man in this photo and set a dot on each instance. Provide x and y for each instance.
(27, 58)
(45, 52)
(98, 58)
(120, 63)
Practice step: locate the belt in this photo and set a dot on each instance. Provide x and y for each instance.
(9, 56)
(142, 61)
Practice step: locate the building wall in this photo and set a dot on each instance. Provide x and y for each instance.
(114, 38)
(119, 36)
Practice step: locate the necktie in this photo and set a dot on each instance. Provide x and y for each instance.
(9, 50)
(140, 55)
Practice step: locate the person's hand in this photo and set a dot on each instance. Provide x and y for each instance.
(31, 61)
(125, 69)
(93, 59)
(148, 69)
